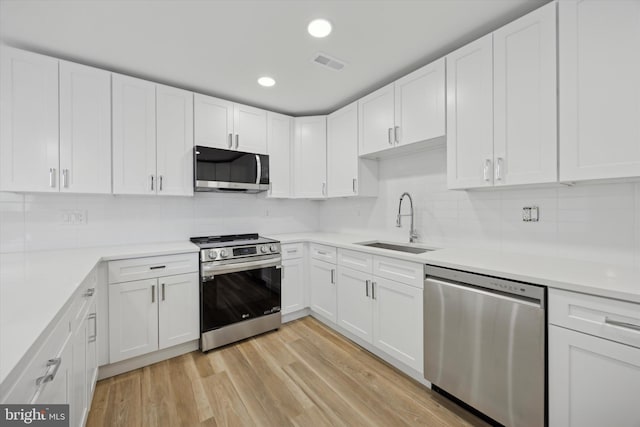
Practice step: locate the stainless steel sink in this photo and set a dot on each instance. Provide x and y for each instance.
(396, 247)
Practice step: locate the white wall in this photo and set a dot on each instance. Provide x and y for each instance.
(34, 221)
(593, 222)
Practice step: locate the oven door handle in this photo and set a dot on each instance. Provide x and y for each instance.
(210, 271)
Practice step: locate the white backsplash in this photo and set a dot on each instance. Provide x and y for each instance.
(34, 221)
(598, 222)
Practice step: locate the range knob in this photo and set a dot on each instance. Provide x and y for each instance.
(273, 248)
(224, 253)
(263, 249)
(212, 254)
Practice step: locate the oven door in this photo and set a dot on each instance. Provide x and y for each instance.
(235, 292)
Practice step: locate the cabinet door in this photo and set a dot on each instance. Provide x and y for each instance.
(250, 126)
(213, 122)
(293, 285)
(29, 117)
(85, 129)
(174, 161)
(376, 120)
(134, 136)
(420, 104)
(355, 306)
(470, 115)
(92, 350)
(342, 151)
(322, 277)
(179, 310)
(133, 319)
(279, 137)
(58, 390)
(592, 381)
(599, 54)
(78, 399)
(525, 127)
(310, 151)
(397, 321)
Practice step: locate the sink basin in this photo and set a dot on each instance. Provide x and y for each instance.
(395, 247)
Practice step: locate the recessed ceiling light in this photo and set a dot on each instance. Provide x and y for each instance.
(319, 28)
(266, 81)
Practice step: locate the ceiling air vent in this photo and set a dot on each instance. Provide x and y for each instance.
(328, 61)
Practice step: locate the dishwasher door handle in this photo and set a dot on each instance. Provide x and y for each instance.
(488, 293)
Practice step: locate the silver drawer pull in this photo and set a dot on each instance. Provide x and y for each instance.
(626, 325)
(322, 253)
(92, 338)
(90, 292)
(157, 267)
(55, 362)
(292, 251)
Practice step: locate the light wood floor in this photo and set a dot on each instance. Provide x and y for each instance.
(304, 375)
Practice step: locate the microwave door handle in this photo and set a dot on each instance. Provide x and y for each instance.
(259, 171)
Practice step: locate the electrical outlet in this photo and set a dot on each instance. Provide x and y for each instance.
(530, 214)
(74, 217)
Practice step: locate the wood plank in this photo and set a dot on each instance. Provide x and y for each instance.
(184, 399)
(226, 404)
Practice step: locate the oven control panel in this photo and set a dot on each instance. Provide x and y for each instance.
(239, 252)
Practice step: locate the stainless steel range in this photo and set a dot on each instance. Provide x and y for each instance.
(240, 281)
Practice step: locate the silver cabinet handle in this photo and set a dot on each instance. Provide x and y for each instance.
(160, 183)
(625, 325)
(230, 140)
(153, 178)
(333, 276)
(499, 162)
(485, 171)
(90, 292)
(389, 131)
(55, 362)
(157, 267)
(324, 188)
(153, 294)
(52, 177)
(258, 169)
(65, 178)
(396, 134)
(322, 253)
(292, 251)
(373, 290)
(93, 337)
(366, 287)
(163, 292)
(237, 140)
(355, 182)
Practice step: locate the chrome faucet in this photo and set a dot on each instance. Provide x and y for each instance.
(413, 234)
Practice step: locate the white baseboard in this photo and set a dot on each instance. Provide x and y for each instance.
(295, 315)
(121, 367)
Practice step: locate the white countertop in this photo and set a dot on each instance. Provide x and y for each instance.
(605, 280)
(35, 286)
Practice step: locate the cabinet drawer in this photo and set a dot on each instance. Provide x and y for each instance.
(292, 251)
(323, 253)
(411, 273)
(607, 318)
(357, 260)
(26, 388)
(128, 270)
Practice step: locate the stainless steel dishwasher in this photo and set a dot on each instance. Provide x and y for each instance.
(485, 344)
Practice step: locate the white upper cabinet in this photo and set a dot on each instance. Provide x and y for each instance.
(310, 157)
(174, 159)
(347, 174)
(470, 115)
(85, 129)
(410, 110)
(599, 54)
(223, 124)
(501, 106)
(134, 136)
(376, 120)
(213, 122)
(250, 126)
(29, 117)
(279, 140)
(420, 104)
(525, 100)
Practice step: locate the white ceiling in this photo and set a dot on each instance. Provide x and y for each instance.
(221, 47)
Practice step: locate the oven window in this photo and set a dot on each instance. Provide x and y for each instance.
(234, 297)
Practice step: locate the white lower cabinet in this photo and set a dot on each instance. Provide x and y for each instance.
(59, 389)
(292, 285)
(322, 288)
(355, 308)
(594, 361)
(152, 314)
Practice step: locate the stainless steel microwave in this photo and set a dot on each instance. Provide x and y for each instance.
(216, 169)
